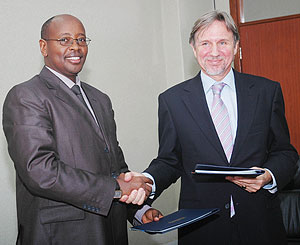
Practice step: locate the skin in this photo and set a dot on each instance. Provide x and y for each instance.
(215, 49)
(67, 60)
(151, 215)
(137, 188)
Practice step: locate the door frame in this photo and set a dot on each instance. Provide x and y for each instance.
(237, 13)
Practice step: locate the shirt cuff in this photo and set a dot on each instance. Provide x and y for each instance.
(151, 196)
(272, 186)
(139, 214)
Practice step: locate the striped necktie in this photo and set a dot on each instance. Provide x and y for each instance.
(221, 120)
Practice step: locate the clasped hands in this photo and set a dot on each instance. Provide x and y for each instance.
(135, 187)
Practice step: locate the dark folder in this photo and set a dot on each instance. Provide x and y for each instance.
(207, 169)
(176, 220)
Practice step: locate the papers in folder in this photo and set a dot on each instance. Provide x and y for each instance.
(206, 169)
(176, 220)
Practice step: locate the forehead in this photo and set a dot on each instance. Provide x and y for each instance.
(66, 25)
(217, 30)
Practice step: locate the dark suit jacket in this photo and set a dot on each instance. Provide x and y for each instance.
(64, 164)
(187, 136)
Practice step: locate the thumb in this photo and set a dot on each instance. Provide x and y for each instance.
(128, 176)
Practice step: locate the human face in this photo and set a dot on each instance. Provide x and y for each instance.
(67, 60)
(215, 49)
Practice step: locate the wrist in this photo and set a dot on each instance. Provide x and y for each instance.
(118, 191)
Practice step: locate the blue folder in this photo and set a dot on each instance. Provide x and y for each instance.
(176, 220)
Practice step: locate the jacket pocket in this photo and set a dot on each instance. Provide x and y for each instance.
(60, 213)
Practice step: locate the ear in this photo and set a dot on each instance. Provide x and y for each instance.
(43, 47)
(194, 50)
(236, 47)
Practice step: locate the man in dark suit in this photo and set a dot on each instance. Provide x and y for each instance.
(69, 166)
(225, 118)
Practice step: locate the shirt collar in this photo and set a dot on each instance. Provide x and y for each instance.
(66, 80)
(208, 81)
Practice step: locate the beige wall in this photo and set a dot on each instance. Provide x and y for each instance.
(139, 48)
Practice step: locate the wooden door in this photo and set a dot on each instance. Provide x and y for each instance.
(271, 48)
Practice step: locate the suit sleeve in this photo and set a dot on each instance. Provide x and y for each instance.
(32, 147)
(166, 168)
(282, 156)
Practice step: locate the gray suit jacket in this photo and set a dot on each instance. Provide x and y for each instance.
(64, 163)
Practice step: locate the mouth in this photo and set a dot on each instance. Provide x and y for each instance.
(74, 59)
(215, 61)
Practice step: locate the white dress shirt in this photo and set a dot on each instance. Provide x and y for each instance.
(70, 84)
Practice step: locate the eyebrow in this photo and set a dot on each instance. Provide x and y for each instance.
(206, 40)
(69, 34)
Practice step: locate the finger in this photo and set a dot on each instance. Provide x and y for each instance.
(147, 217)
(132, 196)
(157, 215)
(229, 178)
(128, 176)
(157, 218)
(140, 196)
(148, 189)
(147, 180)
(151, 215)
(123, 198)
(142, 200)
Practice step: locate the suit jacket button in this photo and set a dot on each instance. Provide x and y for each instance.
(106, 150)
(227, 205)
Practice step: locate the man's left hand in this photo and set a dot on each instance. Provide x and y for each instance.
(251, 184)
(151, 215)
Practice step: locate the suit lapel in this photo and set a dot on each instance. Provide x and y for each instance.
(98, 111)
(247, 98)
(63, 93)
(195, 101)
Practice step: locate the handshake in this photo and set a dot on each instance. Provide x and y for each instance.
(135, 187)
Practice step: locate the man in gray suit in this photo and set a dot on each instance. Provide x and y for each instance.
(69, 166)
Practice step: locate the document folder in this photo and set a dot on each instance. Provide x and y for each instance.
(206, 169)
(176, 220)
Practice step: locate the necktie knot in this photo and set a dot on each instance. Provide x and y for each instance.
(76, 90)
(217, 88)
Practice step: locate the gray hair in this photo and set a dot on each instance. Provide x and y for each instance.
(208, 18)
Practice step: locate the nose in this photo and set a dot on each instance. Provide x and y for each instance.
(74, 45)
(214, 50)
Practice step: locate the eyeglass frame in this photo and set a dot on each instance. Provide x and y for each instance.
(87, 40)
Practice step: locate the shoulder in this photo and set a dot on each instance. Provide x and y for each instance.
(96, 94)
(91, 89)
(27, 87)
(178, 89)
(258, 81)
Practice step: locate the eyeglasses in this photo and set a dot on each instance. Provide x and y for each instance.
(68, 41)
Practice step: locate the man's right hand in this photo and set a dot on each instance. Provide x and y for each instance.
(135, 187)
